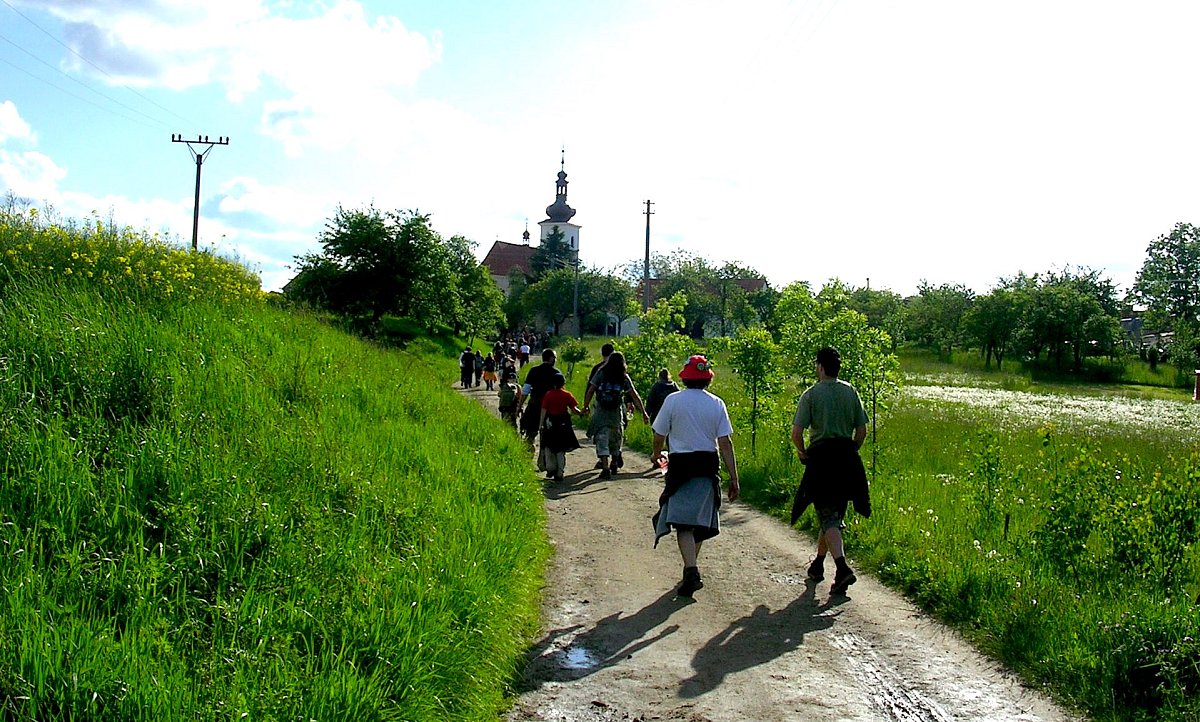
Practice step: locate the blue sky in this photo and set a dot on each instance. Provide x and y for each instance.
(944, 141)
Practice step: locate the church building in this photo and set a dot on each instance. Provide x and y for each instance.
(505, 259)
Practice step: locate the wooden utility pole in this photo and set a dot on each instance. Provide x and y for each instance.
(199, 156)
(646, 267)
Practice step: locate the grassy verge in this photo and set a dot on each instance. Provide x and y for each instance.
(214, 509)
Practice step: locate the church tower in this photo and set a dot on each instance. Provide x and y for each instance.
(559, 214)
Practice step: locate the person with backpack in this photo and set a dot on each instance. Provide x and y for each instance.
(508, 395)
(558, 433)
(609, 387)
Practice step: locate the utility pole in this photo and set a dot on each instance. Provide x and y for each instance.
(199, 156)
(646, 267)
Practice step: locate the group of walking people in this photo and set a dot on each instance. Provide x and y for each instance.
(828, 429)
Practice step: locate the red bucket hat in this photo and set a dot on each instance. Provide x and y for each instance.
(697, 369)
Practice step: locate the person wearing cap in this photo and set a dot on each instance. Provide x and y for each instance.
(833, 414)
(701, 437)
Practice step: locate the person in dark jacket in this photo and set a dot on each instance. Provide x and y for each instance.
(833, 414)
(661, 389)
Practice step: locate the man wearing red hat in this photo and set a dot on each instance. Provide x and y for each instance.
(701, 437)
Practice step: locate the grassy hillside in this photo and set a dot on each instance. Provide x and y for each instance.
(214, 509)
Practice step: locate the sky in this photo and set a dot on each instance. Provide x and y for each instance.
(883, 143)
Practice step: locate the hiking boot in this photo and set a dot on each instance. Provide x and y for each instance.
(558, 476)
(605, 473)
(613, 468)
(816, 570)
(691, 582)
(599, 464)
(843, 579)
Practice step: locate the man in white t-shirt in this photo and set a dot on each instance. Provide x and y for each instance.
(701, 437)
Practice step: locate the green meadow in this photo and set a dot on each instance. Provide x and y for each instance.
(212, 508)
(1054, 525)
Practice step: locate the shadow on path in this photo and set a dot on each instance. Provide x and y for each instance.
(756, 638)
(611, 640)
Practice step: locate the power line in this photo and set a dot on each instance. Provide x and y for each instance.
(73, 95)
(77, 81)
(79, 55)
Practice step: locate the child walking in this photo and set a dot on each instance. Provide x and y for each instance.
(558, 434)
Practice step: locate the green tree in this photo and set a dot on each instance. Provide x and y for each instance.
(992, 323)
(1169, 282)
(374, 264)
(934, 317)
(657, 344)
(754, 356)
(552, 297)
(553, 253)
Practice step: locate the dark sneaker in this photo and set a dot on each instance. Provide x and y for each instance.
(618, 461)
(599, 463)
(816, 570)
(613, 468)
(691, 582)
(842, 580)
(558, 476)
(605, 473)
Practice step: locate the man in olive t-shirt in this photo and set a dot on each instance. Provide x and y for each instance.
(833, 413)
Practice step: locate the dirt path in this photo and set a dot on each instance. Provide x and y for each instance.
(757, 643)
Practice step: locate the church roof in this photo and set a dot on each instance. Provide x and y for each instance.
(503, 257)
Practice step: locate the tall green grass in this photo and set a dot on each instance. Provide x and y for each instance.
(215, 509)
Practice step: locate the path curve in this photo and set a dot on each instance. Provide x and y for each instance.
(758, 643)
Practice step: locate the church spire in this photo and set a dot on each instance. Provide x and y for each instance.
(559, 211)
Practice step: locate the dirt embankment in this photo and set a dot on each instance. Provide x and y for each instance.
(758, 642)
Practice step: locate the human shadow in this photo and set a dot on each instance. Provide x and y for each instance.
(607, 642)
(572, 484)
(756, 638)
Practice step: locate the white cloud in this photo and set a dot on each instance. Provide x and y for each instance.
(12, 125)
(331, 56)
(30, 175)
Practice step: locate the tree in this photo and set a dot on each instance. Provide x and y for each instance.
(552, 253)
(374, 264)
(934, 318)
(551, 297)
(657, 344)
(1169, 282)
(992, 322)
(754, 356)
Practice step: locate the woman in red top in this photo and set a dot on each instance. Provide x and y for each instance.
(558, 434)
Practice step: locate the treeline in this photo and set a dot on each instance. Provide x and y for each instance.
(376, 265)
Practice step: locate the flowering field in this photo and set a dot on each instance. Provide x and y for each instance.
(116, 260)
(1078, 414)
